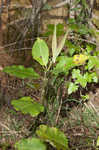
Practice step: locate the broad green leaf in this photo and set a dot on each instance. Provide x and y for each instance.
(27, 106)
(40, 52)
(54, 136)
(54, 45)
(21, 72)
(64, 64)
(30, 144)
(72, 88)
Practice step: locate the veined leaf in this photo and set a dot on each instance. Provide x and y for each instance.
(27, 106)
(40, 52)
(30, 144)
(54, 136)
(64, 65)
(21, 72)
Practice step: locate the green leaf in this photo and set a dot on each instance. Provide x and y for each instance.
(54, 136)
(85, 97)
(88, 77)
(21, 72)
(72, 88)
(30, 144)
(40, 52)
(27, 106)
(64, 65)
(79, 78)
(89, 48)
(91, 77)
(75, 73)
(84, 79)
(94, 77)
(93, 62)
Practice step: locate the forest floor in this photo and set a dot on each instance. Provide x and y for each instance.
(81, 128)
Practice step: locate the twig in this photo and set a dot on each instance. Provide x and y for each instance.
(58, 113)
(61, 4)
(83, 40)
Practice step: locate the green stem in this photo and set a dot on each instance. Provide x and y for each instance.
(45, 82)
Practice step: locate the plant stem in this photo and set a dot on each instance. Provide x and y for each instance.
(45, 82)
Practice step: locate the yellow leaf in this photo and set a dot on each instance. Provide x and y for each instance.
(80, 59)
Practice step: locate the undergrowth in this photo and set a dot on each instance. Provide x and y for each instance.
(69, 68)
